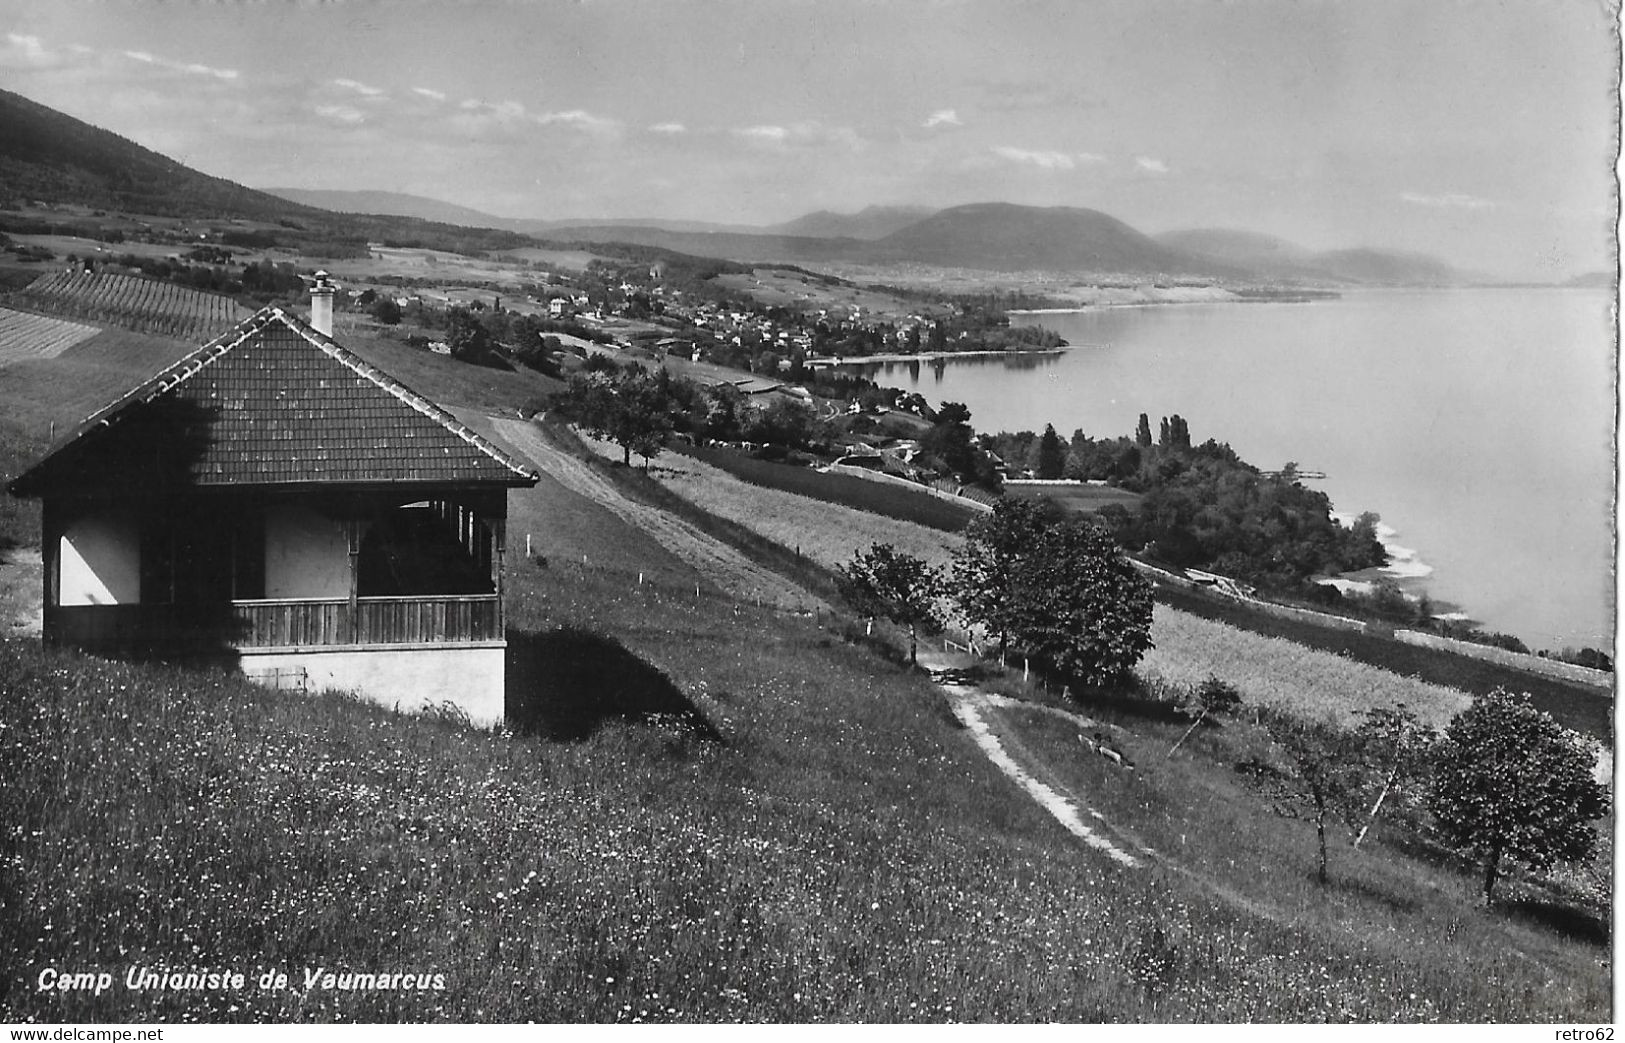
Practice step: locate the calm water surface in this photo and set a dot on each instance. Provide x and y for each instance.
(1478, 423)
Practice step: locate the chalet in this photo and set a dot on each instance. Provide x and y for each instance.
(275, 503)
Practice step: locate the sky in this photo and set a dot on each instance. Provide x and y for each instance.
(1480, 132)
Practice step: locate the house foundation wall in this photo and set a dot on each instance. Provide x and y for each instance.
(410, 679)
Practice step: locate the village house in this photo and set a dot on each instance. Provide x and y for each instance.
(275, 503)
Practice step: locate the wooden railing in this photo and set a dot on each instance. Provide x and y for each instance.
(281, 623)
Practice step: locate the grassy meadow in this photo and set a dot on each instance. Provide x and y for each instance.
(827, 533)
(827, 847)
(875, 497)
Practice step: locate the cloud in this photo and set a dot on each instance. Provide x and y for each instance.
(23, 52)
(1455, 200)
(766, 132)
(29, 46)
(197, 69)
(340, 114)
(360, 88)
(1044, 159)
(808, 134)
(429, 92)
(669, 128)
(943, 118)
(577, 118)
(476, 116)
(189, 68)
(1151, 165)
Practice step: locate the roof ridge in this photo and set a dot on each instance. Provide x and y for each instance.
(164, 380)
(420, 402)
(189, 366)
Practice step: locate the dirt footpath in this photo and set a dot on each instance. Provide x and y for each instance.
(721, 564)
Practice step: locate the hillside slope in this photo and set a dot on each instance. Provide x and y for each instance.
(398, 204)
(50, 156)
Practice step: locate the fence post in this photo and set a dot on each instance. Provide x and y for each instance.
(1026, 668)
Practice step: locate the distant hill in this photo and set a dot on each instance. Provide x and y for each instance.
(1388, 267)
(396, 204)
(1237, 247)
(402, 204)
(1272, 258)
(52, 157)
(1007, 237)
(749, 248)
(872, 222)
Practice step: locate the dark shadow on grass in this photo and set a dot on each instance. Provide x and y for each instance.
(1131, 699)
(1398, 903)
(1577, 924)
(565, 683)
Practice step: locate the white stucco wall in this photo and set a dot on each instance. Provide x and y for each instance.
(100, 562)
(306, 555)
(473, 678)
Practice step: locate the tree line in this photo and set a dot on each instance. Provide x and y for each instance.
(1202, 506)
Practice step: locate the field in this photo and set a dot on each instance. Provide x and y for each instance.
(827, 533)
(420, 263)
(141, 305)
(27, 336)
(881, 498)
(571, 260)
(1575, 706)
(1085, 499)
(79, 246)
(778, 286)
(1275, 672)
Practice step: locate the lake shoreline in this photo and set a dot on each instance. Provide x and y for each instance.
(1388, 372)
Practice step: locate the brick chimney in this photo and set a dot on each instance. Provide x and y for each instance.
(321, 305)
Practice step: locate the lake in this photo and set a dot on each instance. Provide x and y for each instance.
(1478, 423)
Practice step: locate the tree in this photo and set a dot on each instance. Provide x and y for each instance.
(1322, 777)
(783, 421)
(950, 438)
(984, 572)
(1211, 698)
(386, 311)
(630, 410)
(1142, 434)
(884, 581)
(1080, 604)
(1051, 455)
(1509, 782)
(466, 336)
(1396, 746)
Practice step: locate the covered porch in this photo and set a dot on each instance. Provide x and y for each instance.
(262, 572)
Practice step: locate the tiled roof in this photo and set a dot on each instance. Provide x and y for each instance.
(273, 402)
